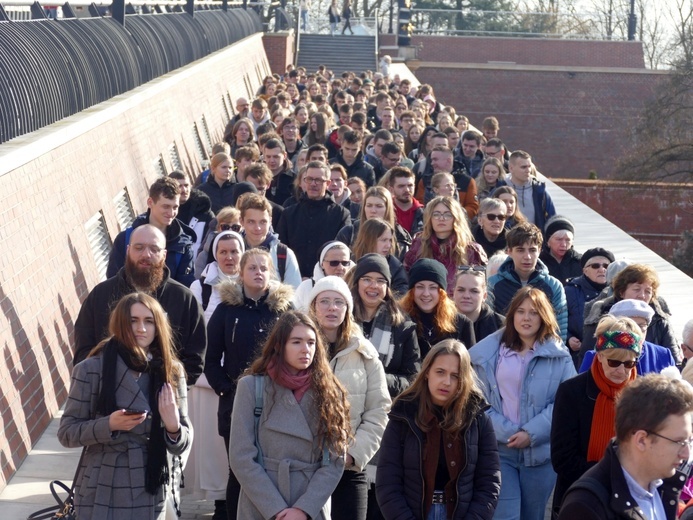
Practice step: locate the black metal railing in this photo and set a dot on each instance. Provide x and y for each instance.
(51, 69)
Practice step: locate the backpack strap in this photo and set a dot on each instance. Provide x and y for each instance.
(257, 412)
(206, 293)
(282, 252)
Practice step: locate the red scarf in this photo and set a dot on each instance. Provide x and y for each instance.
(604, 414)
(299, 383)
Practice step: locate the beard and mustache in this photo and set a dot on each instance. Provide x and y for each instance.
(146, 276)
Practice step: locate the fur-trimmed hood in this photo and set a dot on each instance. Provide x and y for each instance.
(279, 298)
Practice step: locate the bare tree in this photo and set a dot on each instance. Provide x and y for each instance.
(652, 33)
(681, 49)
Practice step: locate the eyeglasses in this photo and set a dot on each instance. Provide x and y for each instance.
(688, 443)
(615, 363)
(475, 268)
(378, 282)
(326, 303)
(231, 227)
(442, 216)
(493, 217)
(315, 180)
(335, 263)
(598, 265)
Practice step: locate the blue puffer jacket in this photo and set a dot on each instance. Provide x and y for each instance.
(506, 282)
(653, 359)
(548, 368)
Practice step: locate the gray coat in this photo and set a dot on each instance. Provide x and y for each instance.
(111, 483)
(293, 475)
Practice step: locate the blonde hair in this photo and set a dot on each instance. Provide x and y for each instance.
(461, 234)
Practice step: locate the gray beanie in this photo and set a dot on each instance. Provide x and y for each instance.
(632, 309)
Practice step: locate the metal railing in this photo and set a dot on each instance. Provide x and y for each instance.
(51, 69)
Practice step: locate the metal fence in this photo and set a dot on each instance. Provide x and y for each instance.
(51, 69)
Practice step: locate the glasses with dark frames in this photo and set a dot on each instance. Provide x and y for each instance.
(335, 263)
(597, 265)
(475, 268)
(493, 216)
(688, 443)
(231, 227)
(615, 363)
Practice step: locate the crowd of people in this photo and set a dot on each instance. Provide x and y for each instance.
(365, 308)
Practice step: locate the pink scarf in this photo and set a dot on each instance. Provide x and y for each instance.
(299, 383)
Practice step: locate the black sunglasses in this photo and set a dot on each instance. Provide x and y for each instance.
(476, 268)
(335, 263)
(598, 265)
(492, 217)
(231, 227)
(615, 363)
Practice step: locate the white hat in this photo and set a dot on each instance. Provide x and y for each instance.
(632, 309)
(332, 283)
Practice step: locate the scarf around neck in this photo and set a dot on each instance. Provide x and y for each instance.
(381, 335)
(604, 415)
(299, 383)
(156, 471)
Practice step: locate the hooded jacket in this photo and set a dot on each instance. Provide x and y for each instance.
(305, 227)
(180, 239)
(359, 168)
(506, 282)
(399, 481)
(543, 205)
(236, 331)
(181, 307)
(549, 367)
(197, 213)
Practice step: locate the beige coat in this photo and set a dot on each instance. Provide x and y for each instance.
(360, 371)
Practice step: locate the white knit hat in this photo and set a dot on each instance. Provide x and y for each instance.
(332, 283)
(632, 309)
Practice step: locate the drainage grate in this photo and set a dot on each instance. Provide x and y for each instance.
(99, 242)
(125, 214)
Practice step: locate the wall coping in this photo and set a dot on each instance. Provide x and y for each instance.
(626, 184)
(539, 68)
(28, 147)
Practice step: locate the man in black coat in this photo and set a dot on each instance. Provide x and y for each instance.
(315, 220)
(145, 271)
(638, 476)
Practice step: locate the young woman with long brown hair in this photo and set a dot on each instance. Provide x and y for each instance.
(128, 407)
(290, 466)
(439, 457)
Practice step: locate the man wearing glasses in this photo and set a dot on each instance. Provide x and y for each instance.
(314, 220)
(639, 475)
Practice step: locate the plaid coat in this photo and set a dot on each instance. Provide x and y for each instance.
(111, 482)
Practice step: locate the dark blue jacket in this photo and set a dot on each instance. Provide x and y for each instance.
(506, 282)
(653, 359)
(564, 270)
(399, 480)
(180, 239)
(359, 168)
(220, 196)
(543, 205)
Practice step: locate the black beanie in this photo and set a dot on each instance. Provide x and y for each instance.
(557, 223)
(596, 251)
(429, 270)
(240, 189)
(372, 263)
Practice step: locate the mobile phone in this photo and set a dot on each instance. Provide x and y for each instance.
(130, 411)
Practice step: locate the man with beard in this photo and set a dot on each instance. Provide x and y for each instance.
(408, 210)
(145, 271)
(163, 204)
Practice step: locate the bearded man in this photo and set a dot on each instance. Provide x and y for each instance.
(145, 271)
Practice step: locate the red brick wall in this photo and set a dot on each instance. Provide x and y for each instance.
(48, 191)
(279, 48)
(656, 215)
(528, 51)
(570, 121)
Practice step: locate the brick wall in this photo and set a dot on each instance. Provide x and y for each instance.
(570, 121)
(656, 215)
(528, 51)
(52, 182)
(279, 48)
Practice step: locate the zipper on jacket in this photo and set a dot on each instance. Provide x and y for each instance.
(233, 334)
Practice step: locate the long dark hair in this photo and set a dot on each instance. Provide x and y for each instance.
(330, 395)
(457, 414)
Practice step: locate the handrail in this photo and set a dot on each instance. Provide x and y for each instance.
(377, 32)
(297, 45)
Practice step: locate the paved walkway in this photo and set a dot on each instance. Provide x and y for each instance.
(28, 490)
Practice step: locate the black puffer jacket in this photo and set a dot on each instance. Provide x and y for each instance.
(399, 481)
(237, 331)
(221, 196)
(487, 323)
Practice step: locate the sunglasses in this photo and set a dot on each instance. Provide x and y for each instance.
(475, 268)
(615, 363)
(231, 227)
(335, 263)
(493, 217)
(597, 266)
